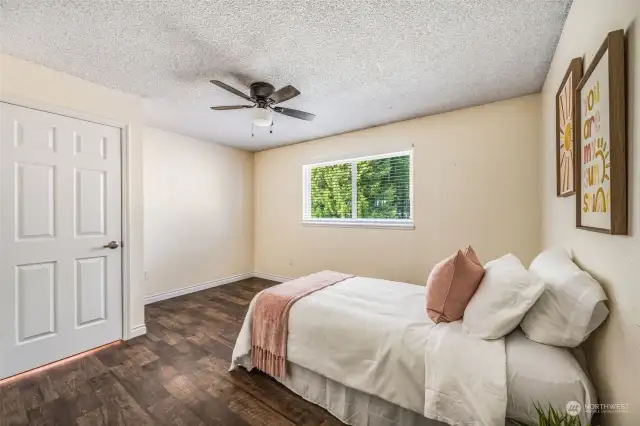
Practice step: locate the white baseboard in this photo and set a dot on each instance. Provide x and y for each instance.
(138, 330)
(197, 287)
(209, 284)
(271, 277)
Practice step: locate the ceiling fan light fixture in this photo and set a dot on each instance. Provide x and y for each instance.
(262, 117)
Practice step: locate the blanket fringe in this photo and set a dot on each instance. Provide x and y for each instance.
(268, 362)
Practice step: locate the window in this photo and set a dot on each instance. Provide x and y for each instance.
(369, 191)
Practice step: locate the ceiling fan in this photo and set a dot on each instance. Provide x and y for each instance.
(264, 98)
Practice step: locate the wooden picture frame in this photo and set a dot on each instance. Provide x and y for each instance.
(601, 153)
(566, 119)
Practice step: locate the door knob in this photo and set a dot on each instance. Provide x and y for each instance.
(112, 245)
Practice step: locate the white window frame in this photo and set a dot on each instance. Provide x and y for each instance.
(355, 221)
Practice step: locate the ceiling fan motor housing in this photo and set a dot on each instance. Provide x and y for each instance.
(261, 91)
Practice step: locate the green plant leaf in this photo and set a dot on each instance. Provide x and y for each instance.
(549, 416)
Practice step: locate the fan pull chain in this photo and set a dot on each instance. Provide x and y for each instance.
(271, 130)
(252, 129)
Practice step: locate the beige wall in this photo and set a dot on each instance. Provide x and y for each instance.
(614, 350)
(198, 211)
(24, 81)
(476, 182)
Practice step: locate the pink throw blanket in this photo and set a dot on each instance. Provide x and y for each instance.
(271, 319)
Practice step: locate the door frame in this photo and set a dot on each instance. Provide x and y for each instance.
(126, 213)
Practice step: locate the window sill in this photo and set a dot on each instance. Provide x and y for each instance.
(361, 223)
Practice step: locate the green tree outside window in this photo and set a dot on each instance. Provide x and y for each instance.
(382, 187)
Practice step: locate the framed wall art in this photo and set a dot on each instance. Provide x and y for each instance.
(566, 119)
(601, 171)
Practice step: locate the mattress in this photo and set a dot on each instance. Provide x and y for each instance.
(543, 373)
(535, 372)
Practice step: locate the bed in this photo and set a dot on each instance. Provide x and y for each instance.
(365, 350)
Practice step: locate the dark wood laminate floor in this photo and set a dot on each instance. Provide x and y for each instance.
(175, 375)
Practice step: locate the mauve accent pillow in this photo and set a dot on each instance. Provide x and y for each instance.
(451, 285)
(471, 255)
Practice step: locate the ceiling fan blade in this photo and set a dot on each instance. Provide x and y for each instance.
(224, 108)
(295, 113)
(284, 94)
(231, 89)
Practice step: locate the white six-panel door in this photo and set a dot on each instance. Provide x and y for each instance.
(60, 204)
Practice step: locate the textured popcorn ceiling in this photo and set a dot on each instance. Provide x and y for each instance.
(358, 63)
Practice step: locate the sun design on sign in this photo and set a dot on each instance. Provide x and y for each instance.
(602, 152)
(595, 176)
(565, 122)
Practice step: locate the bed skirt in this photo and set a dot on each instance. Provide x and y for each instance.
(351, 406)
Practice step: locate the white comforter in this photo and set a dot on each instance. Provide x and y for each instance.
(374, 336)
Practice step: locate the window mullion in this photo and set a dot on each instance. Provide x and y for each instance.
(354, 189)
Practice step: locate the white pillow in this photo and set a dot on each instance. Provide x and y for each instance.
(504, 295)
(572, 305)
